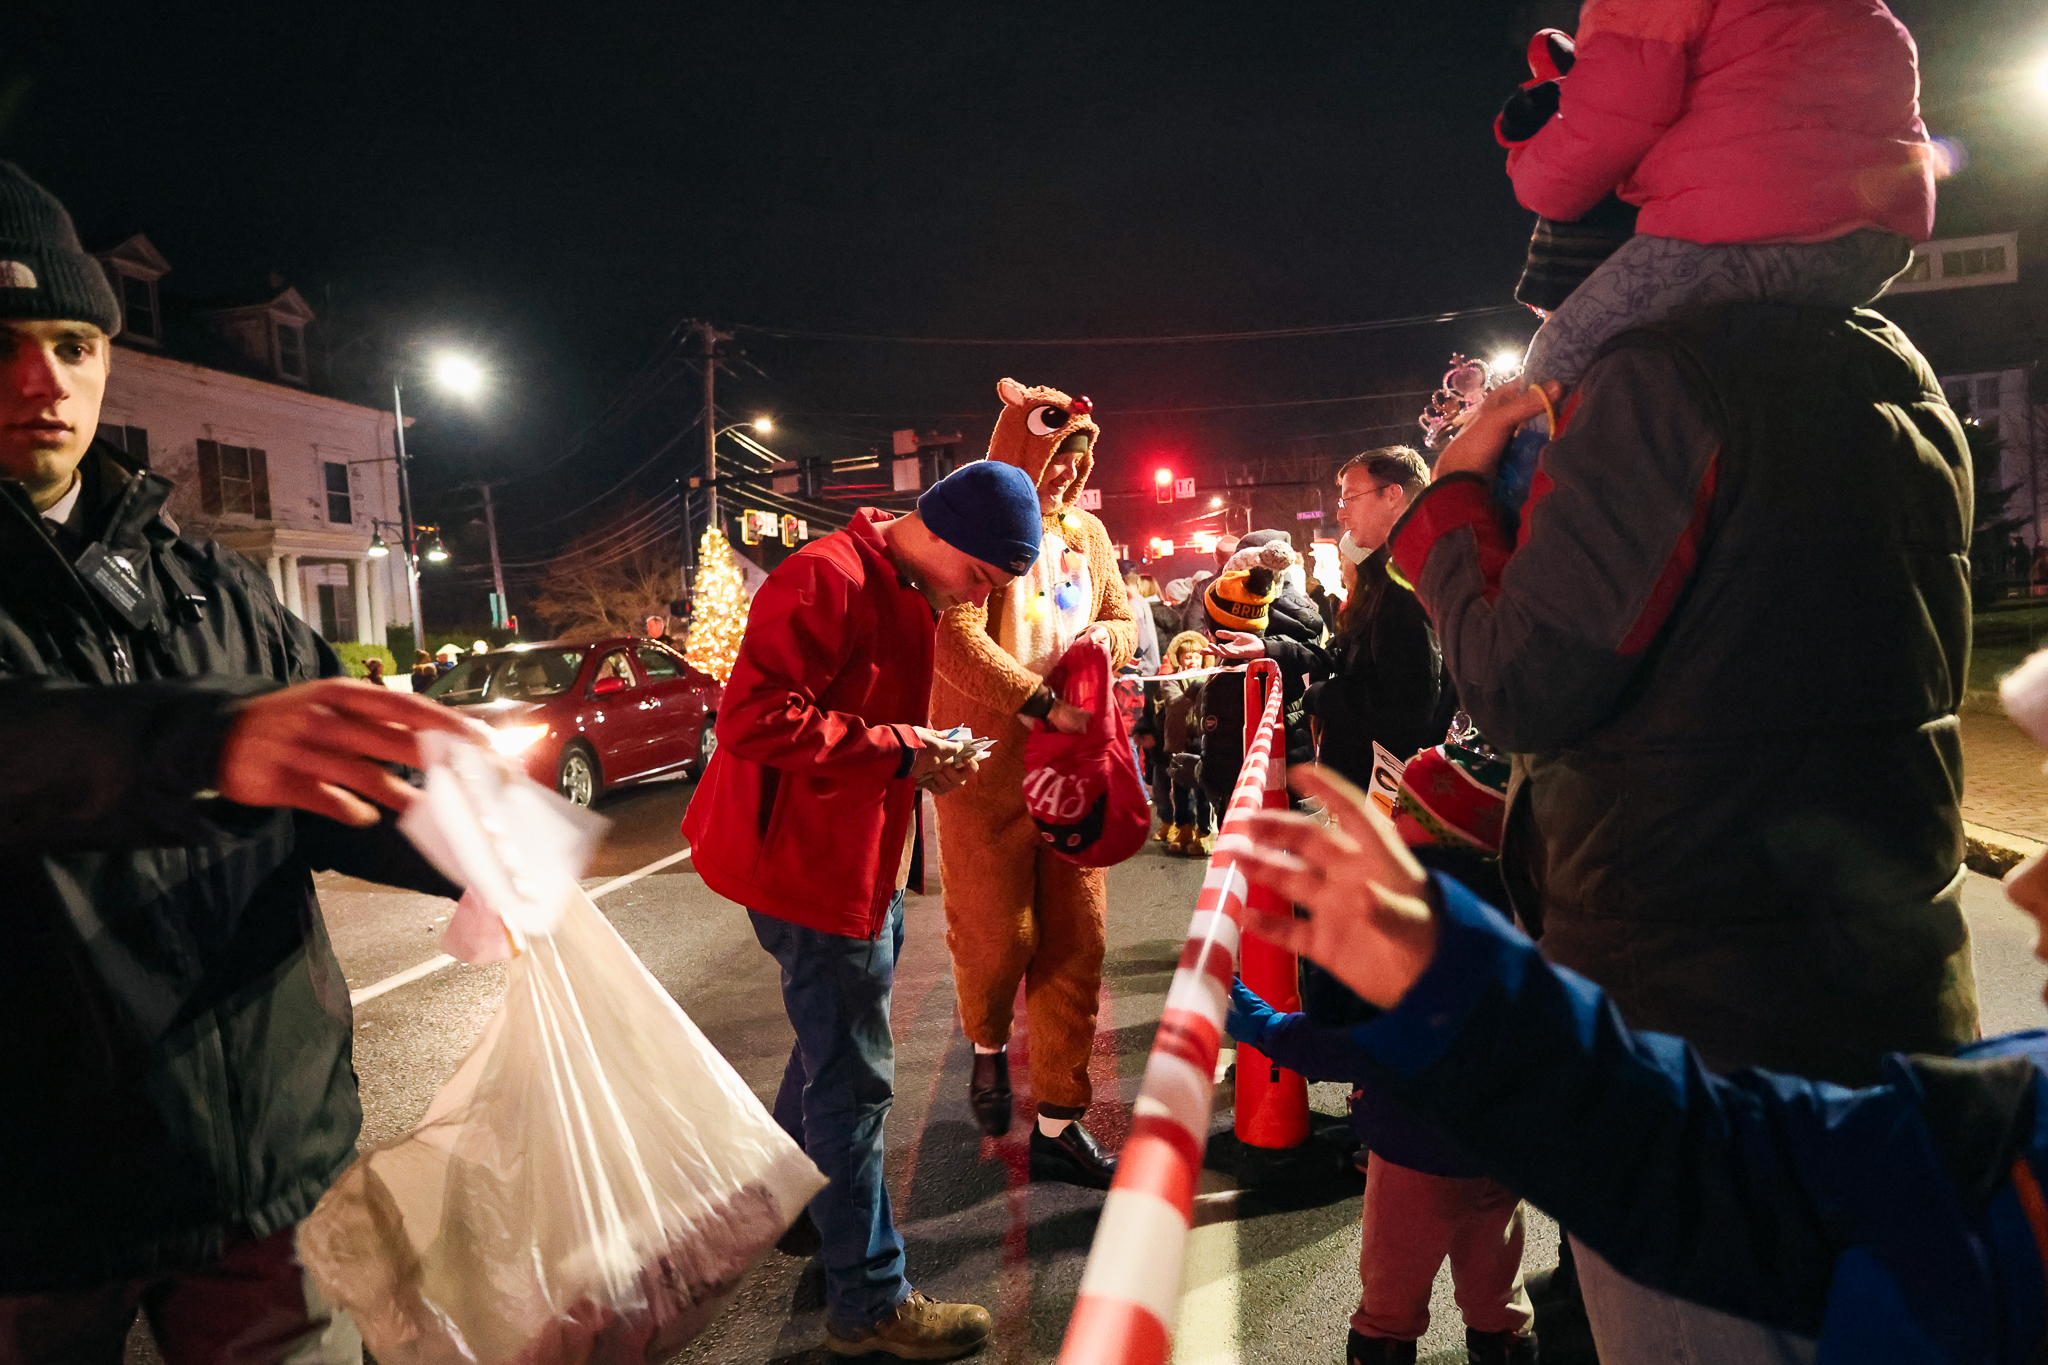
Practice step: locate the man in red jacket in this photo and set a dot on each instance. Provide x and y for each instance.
(807, 816)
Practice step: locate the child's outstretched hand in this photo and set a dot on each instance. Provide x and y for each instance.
(1367, 923)
(1481, 442)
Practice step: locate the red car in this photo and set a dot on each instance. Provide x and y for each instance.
(591, 715)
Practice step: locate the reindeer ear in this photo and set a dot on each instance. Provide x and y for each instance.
(1011, 392)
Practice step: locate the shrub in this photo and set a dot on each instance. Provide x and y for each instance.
(352, 657)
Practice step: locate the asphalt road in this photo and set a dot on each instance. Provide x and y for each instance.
(1270, 1278)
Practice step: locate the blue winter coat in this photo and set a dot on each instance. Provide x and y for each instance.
(1903, 1222)
(1322, 1053)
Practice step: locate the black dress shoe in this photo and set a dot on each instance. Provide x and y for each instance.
(1364, 1350)
(802, 1240)
(988, 1091)
(1501, 1348)
(1072, 1157)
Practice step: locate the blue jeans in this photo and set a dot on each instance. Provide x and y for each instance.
(1191, 806)
(835, 1094)
(1631, 1323)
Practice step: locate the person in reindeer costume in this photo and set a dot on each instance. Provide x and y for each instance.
(1015, 910)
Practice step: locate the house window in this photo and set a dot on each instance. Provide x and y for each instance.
(291, 351)
(131, 441)
(138, 306)
(1981, 260)
(234, 480)
(337, 611)
(340, 505)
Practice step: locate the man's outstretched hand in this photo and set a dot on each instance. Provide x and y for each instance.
(320, 747)
(1368, 923)
(1480, 443)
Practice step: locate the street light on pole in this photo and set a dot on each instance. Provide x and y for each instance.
(458, 374)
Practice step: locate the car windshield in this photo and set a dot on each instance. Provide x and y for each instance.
(528, 675)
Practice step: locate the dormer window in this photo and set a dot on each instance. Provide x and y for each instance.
(291, 350)
(133, 268)
(138, 307)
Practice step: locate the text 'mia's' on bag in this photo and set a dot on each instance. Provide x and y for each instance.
(1083, 791)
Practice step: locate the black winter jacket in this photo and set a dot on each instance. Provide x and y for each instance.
(1390, 687)
(1293, 636)
(1729, 647)
(176, 1062)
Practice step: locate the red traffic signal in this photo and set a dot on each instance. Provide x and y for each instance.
(1162, 483)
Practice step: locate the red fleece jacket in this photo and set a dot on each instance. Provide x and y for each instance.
(803, 810)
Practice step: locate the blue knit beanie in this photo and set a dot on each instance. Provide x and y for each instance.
(987, 510)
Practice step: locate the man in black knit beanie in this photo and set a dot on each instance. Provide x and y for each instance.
(182, 753)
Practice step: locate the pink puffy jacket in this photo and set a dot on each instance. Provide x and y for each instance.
(1738, 121)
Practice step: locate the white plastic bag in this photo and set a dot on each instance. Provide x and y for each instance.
(590, 1185)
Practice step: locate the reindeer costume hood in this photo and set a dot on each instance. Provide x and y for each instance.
(1037, 421)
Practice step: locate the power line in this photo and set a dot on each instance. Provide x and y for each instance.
(1283, 403)
(604, 538)
(1111, 410)
(1172, 339)
(644, 465)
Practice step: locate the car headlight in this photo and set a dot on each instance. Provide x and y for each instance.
(517, 739)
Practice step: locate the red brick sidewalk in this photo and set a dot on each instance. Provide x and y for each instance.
(2003, 785)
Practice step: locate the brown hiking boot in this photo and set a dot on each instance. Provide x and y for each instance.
(918, 1330)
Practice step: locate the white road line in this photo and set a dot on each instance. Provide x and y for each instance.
(1206, 1332)
(404, 978)
(657, 865)
(440, 960)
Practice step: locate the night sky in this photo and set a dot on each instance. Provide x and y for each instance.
(555, 189)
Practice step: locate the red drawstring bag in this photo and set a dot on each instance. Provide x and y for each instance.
(1083, 790)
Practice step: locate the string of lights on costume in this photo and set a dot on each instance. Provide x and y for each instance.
(1465, 385)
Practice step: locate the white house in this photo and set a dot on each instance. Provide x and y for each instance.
(1975, 307)
(302, 484)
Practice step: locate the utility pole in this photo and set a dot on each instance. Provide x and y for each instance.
(708, 338)
(501, 610)
(412, 555)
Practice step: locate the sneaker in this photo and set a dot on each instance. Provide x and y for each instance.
(917, 1329)
(1500, 1348)
(1169, 834)
(1364, 1350)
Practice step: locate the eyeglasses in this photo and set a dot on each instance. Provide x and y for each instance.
(1343, 502)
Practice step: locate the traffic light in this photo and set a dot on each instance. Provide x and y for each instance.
(1162, 485)
(935, 462)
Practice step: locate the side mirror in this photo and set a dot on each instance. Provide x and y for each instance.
(607, 685)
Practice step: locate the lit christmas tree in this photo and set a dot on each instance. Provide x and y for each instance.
(718, 609)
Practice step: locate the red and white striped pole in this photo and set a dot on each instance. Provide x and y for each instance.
(1131, 1288)
(1272, 1103)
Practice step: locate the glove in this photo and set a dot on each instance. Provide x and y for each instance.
(1185, 769)
(1551, 54)
(1249, 1017)
(1525, 113)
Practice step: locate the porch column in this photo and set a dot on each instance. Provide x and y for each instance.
(359, 576)
(276, 575)
(294, 590)
(380, 601)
